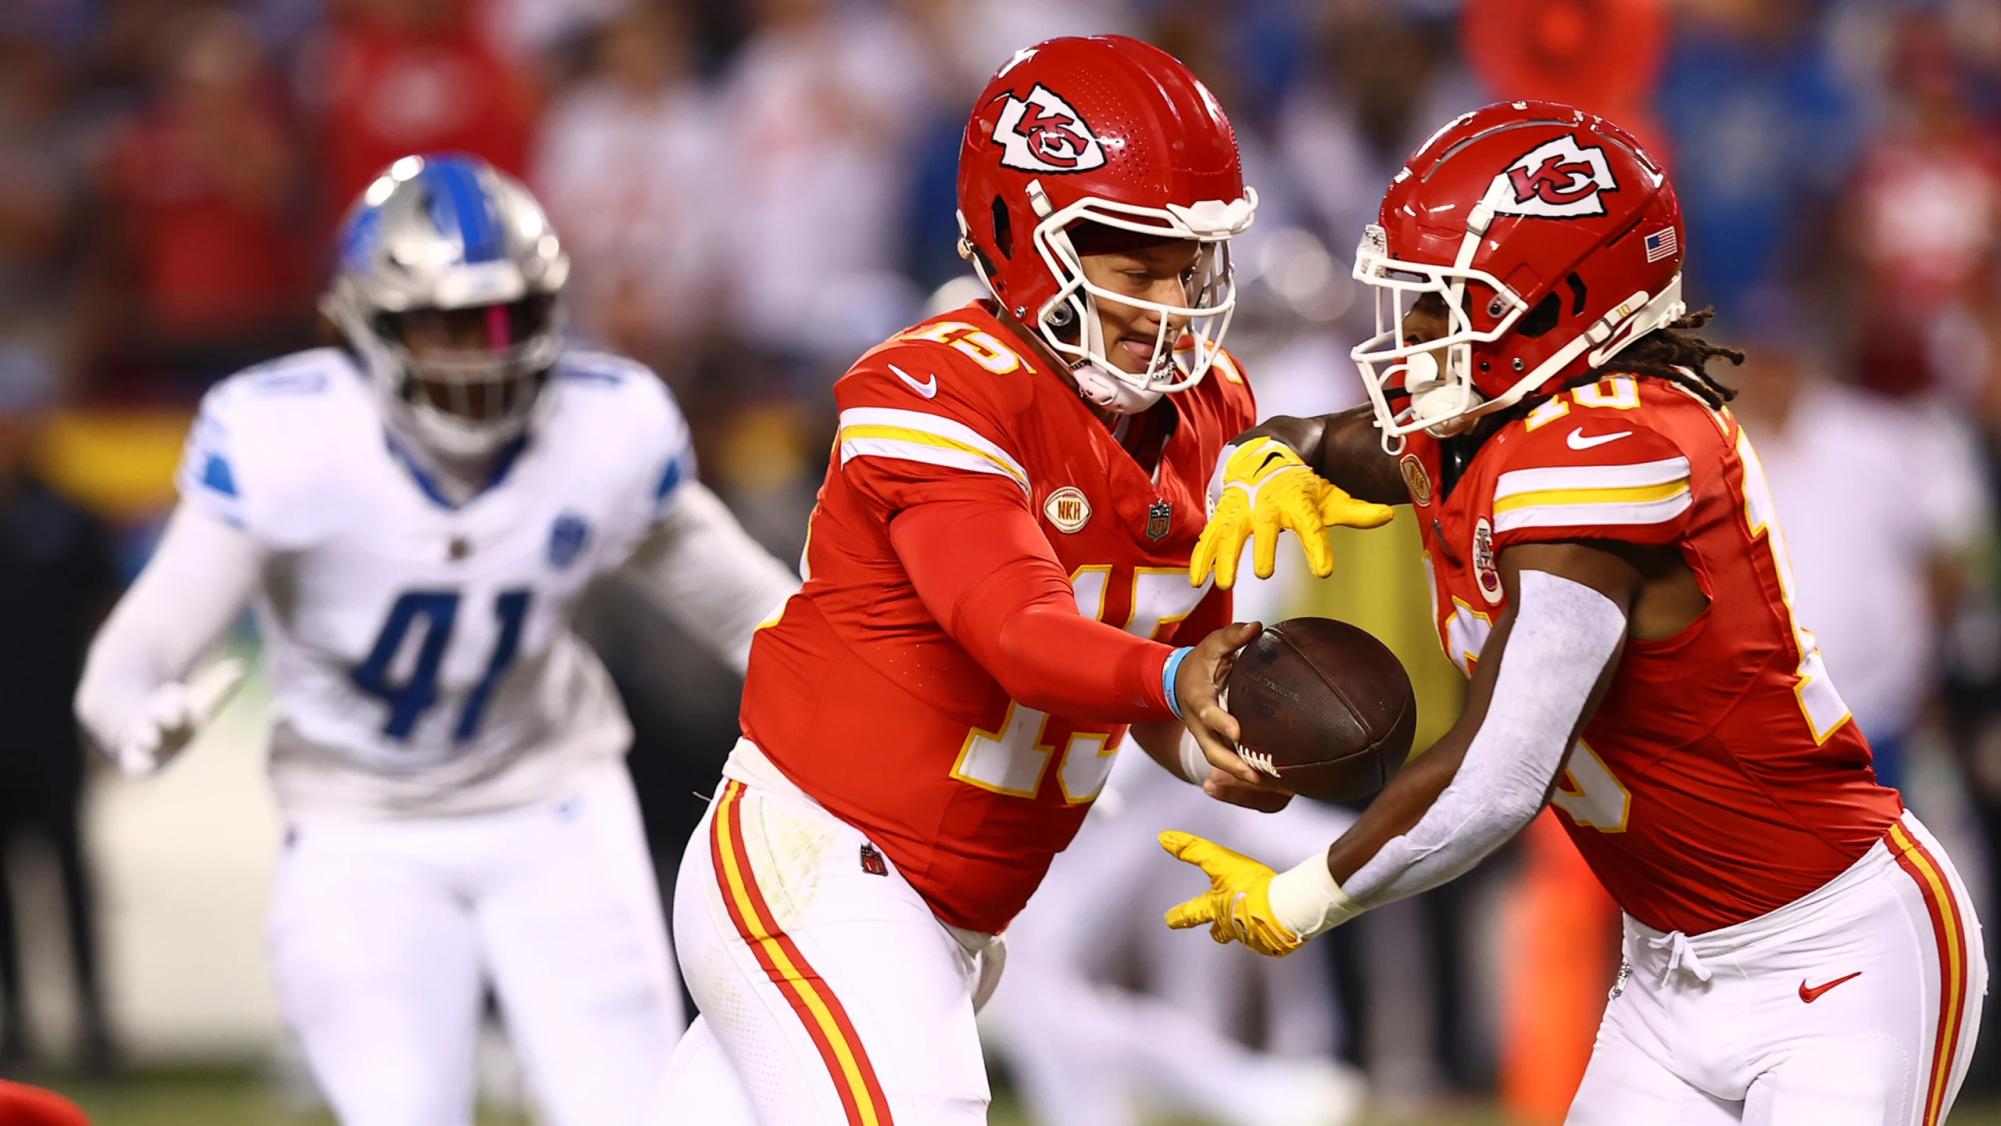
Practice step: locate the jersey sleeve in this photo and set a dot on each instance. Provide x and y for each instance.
(632, 425)
(1610, 479)
(915, 429)
(667, 447)
(255, 450)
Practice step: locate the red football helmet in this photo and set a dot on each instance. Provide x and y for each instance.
(1106, 130)
(1554, 241)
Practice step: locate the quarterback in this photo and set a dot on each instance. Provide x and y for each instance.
(413, 518)
(1607, 568)
(995, 593)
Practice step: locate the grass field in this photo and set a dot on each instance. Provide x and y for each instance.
(224, 1098)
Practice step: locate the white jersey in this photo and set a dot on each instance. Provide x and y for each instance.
(421, 651)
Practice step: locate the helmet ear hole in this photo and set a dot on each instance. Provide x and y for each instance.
(1542, 318)
(1577, 294)
(1003, 229)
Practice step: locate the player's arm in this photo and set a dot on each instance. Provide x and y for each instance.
(132, 699)
(1305, 475)
(985, 571)
(1175, 748)
(1538, 682)
(707, 573)
(1344, 449)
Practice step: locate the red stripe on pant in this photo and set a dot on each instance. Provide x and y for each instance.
(1948, 927)
(787, 968)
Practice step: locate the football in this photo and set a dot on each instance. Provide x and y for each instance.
(1324, 707)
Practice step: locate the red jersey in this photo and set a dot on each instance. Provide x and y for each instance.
(863, 699)
(1722, 775)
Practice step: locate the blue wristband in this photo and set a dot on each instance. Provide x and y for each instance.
(1167, 672)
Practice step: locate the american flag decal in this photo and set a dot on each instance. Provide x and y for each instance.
(1661, 244)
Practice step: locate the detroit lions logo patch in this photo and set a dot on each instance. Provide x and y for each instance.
(567, 537)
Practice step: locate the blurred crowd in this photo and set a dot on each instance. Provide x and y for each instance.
(754, 192)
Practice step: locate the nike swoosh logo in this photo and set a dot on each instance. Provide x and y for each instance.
(928, 390)
(1578, 441)
(1813, 994)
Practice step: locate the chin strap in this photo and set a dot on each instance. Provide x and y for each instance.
(1108, 392)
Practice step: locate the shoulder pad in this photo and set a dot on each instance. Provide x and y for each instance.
(1592, 461)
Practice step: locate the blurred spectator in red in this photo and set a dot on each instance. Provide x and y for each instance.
(204, 255)
(1923, 222)
(644, 239)
(1601, 55)
(404, 76)
(1762, 131)
(57, 578)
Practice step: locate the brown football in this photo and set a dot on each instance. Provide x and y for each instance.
(1325, 708)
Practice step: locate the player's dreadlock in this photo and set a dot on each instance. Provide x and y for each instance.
(1674, 352)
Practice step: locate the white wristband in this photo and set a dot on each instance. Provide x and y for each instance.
(1307, 900)
(1194, 764)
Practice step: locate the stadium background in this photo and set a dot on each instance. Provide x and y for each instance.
(753, 193)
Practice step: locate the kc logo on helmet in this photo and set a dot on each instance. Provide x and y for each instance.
(1041, 133)
(1558, 180)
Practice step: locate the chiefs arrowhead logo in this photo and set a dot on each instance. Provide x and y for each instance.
(1041, 133)
(1557, 180)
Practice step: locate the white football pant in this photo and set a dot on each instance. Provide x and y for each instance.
(829, 992)
(1854, 1006)
(383, 935)
(1090, 1053)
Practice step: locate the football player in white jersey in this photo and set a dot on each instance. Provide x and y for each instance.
(413, 518)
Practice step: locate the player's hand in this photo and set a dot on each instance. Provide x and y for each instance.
(172, 716)
(1264, 795)
(1237, 906)
(1264, 487)
(1198, 689)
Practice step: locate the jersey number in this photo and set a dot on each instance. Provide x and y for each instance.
(1589, 792)
(1012, 759)
(410, 698)
(980, 345)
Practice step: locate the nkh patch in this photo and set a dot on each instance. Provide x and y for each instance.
(1159, 519)
(1661, 244)
(1068, 509)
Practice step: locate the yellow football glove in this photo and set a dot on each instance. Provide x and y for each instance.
(1265, 487)
(1237, 905)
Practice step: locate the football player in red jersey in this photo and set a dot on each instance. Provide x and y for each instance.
(995, 593)
(1608, 570)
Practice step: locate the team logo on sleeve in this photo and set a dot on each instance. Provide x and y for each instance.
(1486, 572)
(567, 537)
(1557, 180)
(1068, 509)
(1041, 133)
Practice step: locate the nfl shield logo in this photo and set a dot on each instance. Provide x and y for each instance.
(1159, 518)
(567, 537)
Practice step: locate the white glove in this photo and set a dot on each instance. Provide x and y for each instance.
(173, 713)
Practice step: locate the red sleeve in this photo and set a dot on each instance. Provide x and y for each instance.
(1593, 475)
(985, 572)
